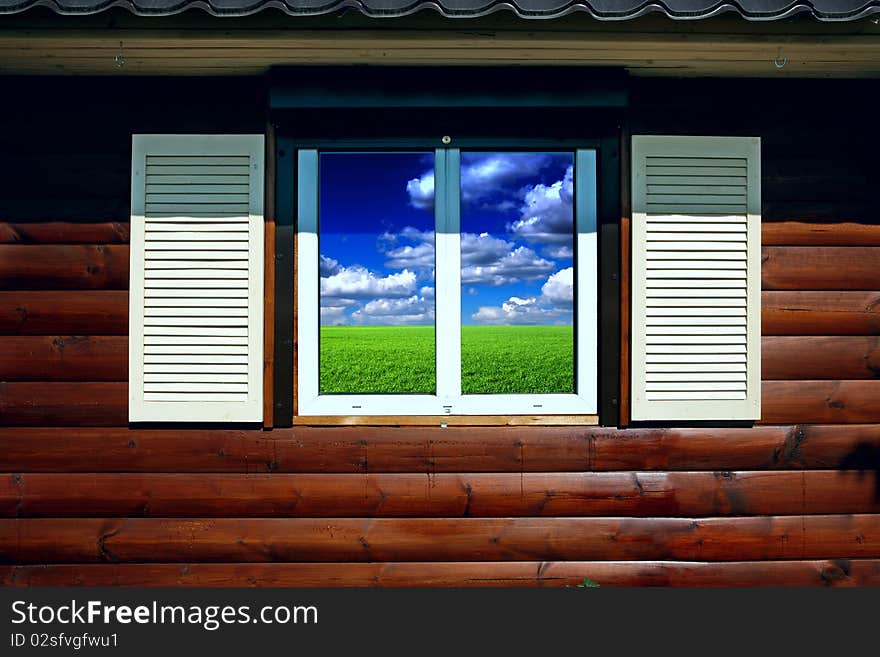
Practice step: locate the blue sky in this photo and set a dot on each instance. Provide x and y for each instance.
(377, 242)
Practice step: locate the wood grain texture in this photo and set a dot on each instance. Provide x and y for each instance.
(269, 282)
(820, 313)
(63, 267)
(625, 274)
(64, 358)
(828, 572)
(65, 232)
(820, 357)
(820, 401)
(434, 450)
(143, 540)
(105, 404)
(66, 404)
(84, 312)
(637, 494)
(800, 233)
(820, 268)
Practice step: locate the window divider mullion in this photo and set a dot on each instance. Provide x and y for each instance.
(447, 275)
(308, 311)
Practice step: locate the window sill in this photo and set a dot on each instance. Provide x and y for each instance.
(448, 420)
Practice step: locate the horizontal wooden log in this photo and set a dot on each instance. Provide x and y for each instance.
(63, 267)
(638, 494)
(105, 403)
(431, 450)
(812, 357)
(820, 313)
(86, 312)
(820, 401)
(122, 540)
(64, 358)
(65, 232)
(831, 572)
(820, 268)
(799, 233)
(73, 404)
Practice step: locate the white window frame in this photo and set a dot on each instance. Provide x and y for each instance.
(448, 399)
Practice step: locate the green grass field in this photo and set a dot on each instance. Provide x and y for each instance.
(400, 359)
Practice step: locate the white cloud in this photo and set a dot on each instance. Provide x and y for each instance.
(483, 249)
(414, 310)
(420, 256)
(547, 215)
(482, 174)
(332, 315)
(563, 251)
(553, 306)
(357, 282)
(417, 256)
(517, 310)
(421, 191)
(559, 288)
(520, 264)
(328, 266)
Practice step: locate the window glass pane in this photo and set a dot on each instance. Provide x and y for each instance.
(517, 273)
(376, 240)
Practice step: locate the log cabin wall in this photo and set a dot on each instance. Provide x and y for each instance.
(85, 500)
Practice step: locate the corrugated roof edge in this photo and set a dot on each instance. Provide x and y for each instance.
(248, 8)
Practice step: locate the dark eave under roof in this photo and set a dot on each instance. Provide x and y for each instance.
(755, 10)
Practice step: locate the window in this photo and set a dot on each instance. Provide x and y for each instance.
(448, 281)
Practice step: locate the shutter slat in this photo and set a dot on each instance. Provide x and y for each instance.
(695, 278)
(710, 368)
(197, 236)
(195, 312)
(688, 359)
(721, 378)
(197, 267)
(202, 226)
(694, 347)
(226, 342)
(705, 179)
(736, 255)
(702, 395)
(694, 319)
(210, 243)
(189, 188)
(197, 359)
(188, 177)
(206, 368)
(197, 264)
(196, 272)
(157, 258)
(693, 314)
(188, 376)
(196, 398)
(241, 171)
(200, 331)
(693, 236)
(176, 302)
(713, 187)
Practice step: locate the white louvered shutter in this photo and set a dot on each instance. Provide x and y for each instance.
(696, 278)
(196, 299)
